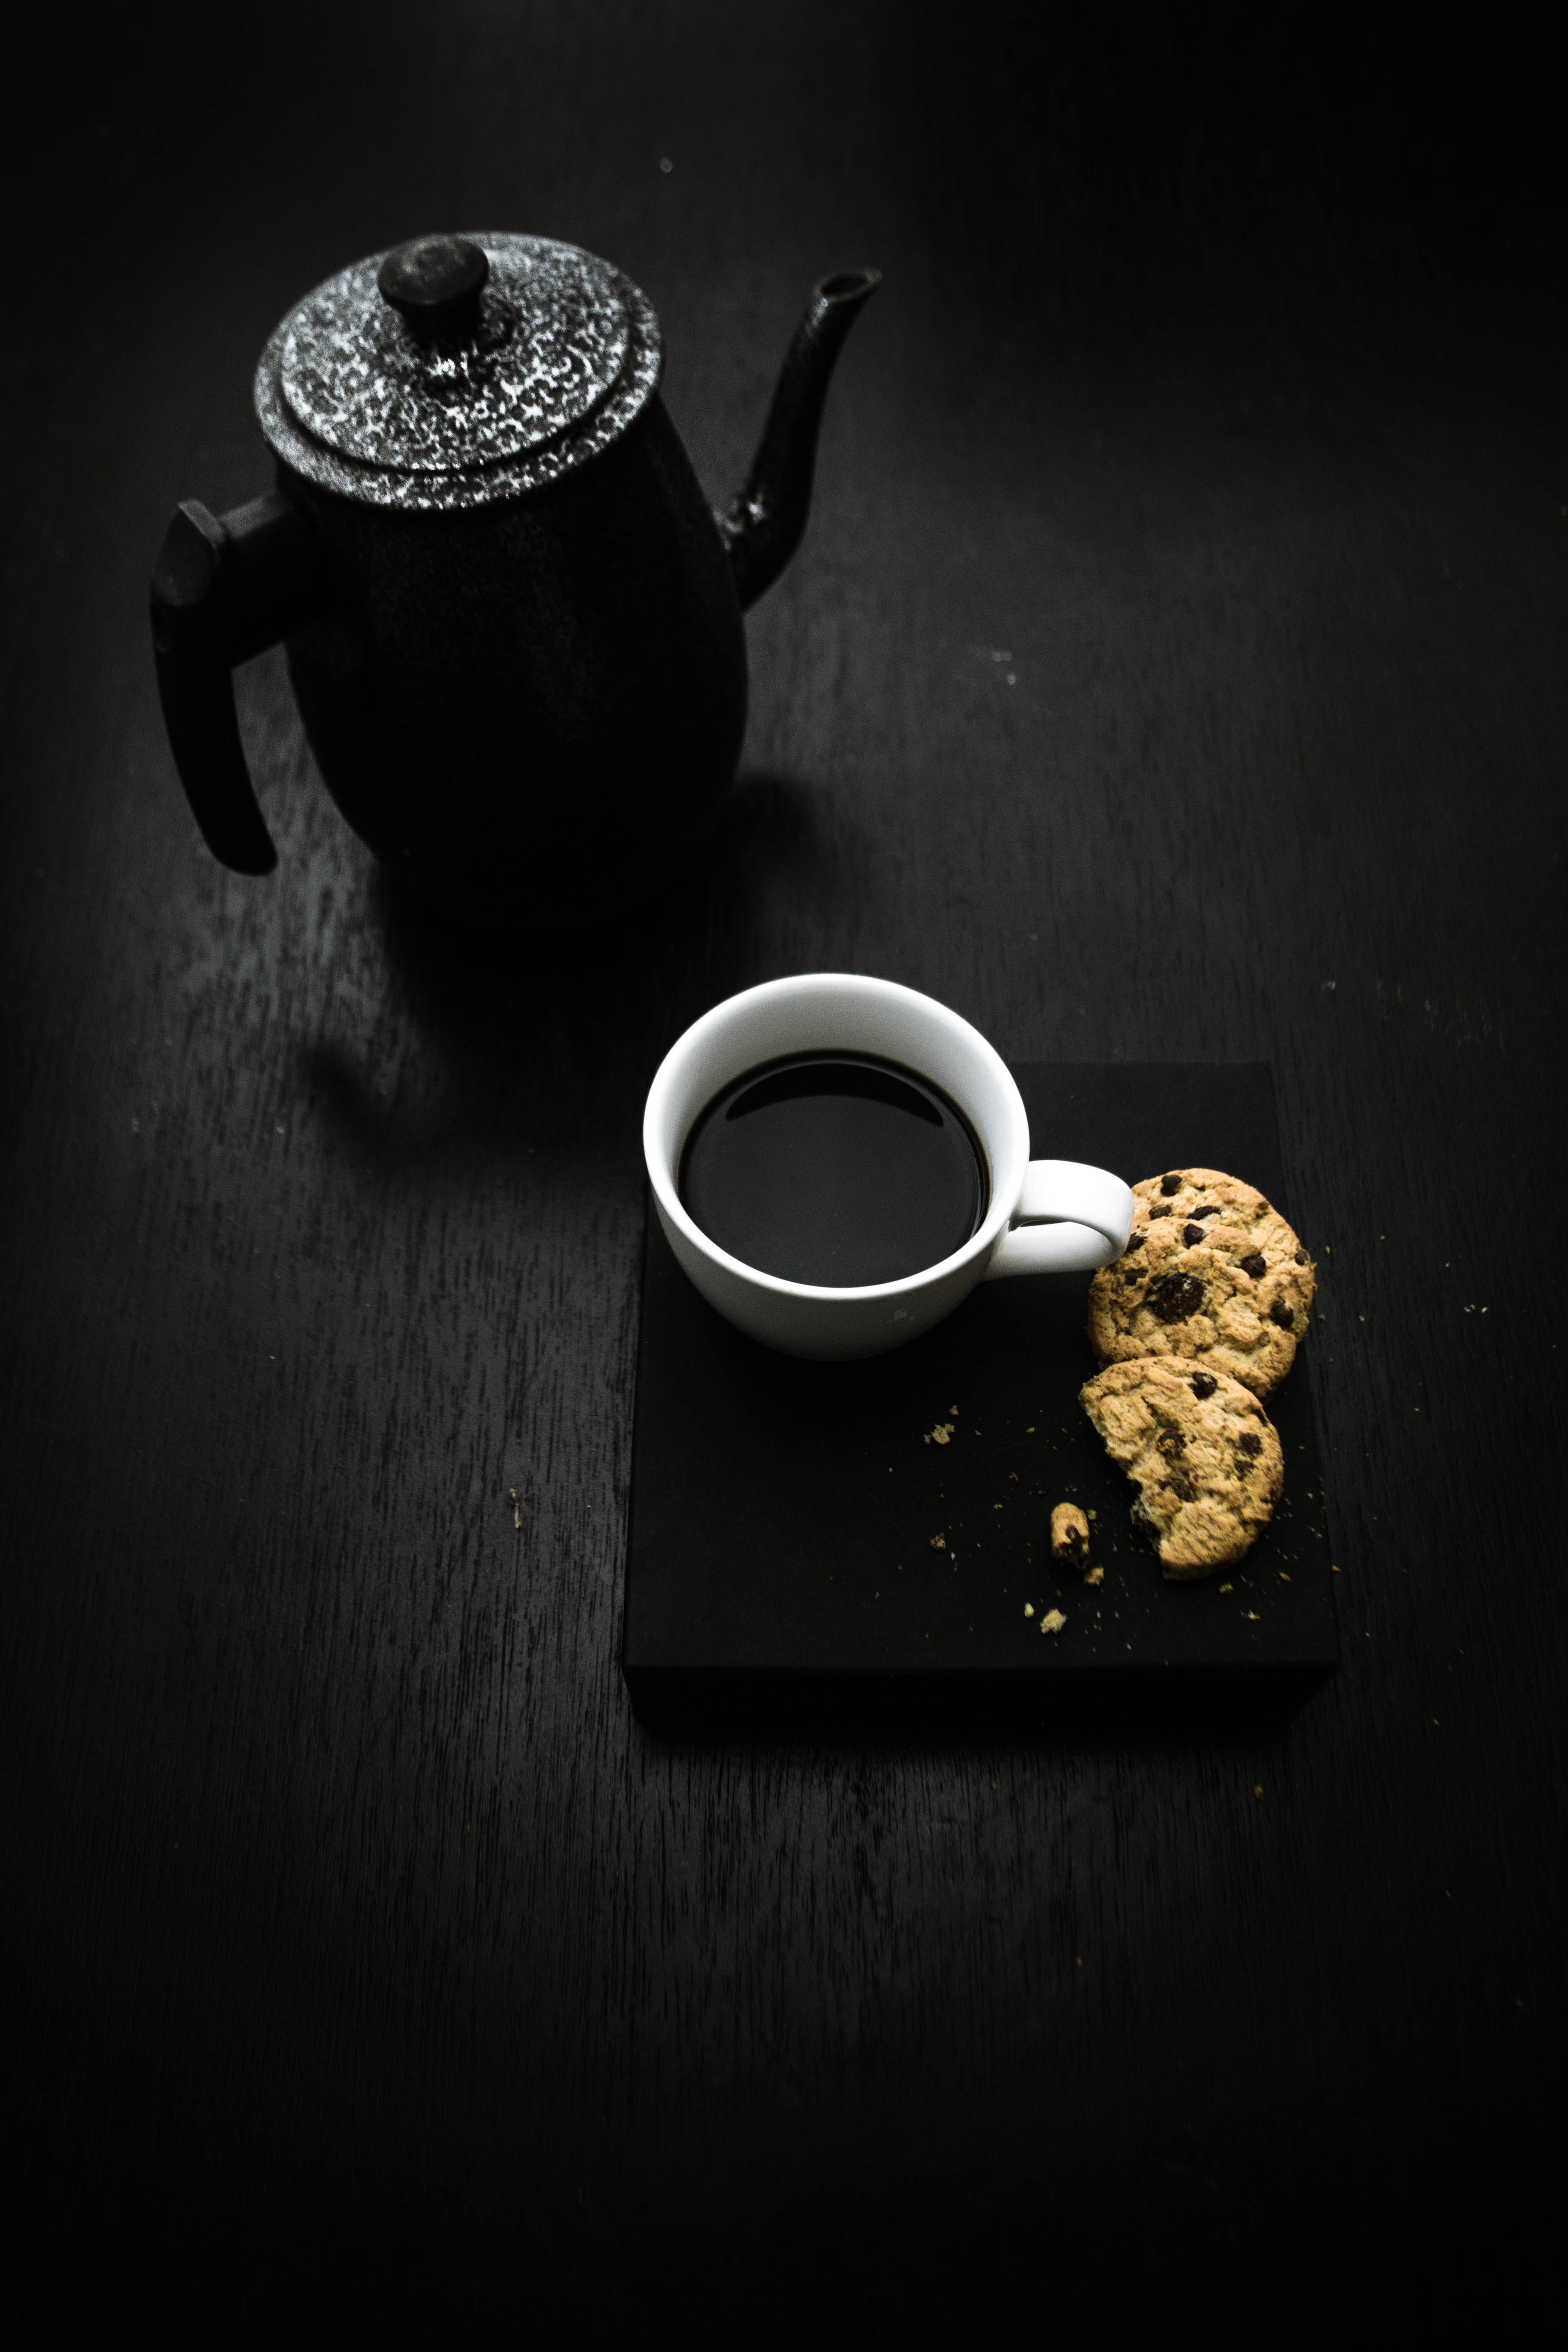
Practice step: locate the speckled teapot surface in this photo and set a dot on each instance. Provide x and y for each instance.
(513, 620)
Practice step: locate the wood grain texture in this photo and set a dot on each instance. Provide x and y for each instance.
(1173, 670)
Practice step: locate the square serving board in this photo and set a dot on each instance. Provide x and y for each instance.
(783, 1514)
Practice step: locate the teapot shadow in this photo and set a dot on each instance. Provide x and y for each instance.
(549, 1034)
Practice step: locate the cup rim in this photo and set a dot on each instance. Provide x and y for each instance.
(981, 1243)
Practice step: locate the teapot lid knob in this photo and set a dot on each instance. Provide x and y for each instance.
(436, 282)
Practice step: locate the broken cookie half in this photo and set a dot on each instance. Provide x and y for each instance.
(1202, 1452)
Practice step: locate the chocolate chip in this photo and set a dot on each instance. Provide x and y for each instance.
(1300, 1257)
(1203, 1385)
(1249, 1442)
(1170, 1442)
(1256, 1264)
(1212, 1210)
(1181, 1487)
(1176, 1297)
(1169, 1184)
(1135, 1241)
(1128, 1277)
(1244, 1468)
(1281, 1313)
(1191, 1233)
(1158, 1211)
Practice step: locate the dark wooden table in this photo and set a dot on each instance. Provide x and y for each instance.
(1173, 670)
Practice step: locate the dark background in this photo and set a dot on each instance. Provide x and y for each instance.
(1173, 670)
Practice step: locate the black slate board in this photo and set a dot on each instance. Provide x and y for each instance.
(781, 1512)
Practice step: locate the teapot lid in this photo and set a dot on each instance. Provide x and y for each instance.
(453, 372)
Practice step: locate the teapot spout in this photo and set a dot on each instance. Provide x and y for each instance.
(762, 526)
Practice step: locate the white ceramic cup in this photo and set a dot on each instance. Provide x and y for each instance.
(1043, 1215)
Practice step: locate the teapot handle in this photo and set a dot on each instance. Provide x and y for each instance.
(226, 587)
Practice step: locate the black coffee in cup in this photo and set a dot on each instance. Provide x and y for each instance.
(838, 1168)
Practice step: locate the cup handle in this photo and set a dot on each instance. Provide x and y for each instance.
(1069, 1218)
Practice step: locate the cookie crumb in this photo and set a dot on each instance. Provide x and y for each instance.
(938, 1543)
(1028, 1608)
(1070, 1535)
(1052, 1622)
(1095, 1576)
(941, 1435)
(1227, 1587)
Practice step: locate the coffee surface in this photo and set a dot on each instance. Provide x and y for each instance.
(835, 1169)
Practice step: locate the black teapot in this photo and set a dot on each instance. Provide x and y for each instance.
(513, 620)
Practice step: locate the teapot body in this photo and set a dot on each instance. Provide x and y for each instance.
(539, 701)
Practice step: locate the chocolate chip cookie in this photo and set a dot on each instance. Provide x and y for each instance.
(1210, 1271)
(1202, 1452)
